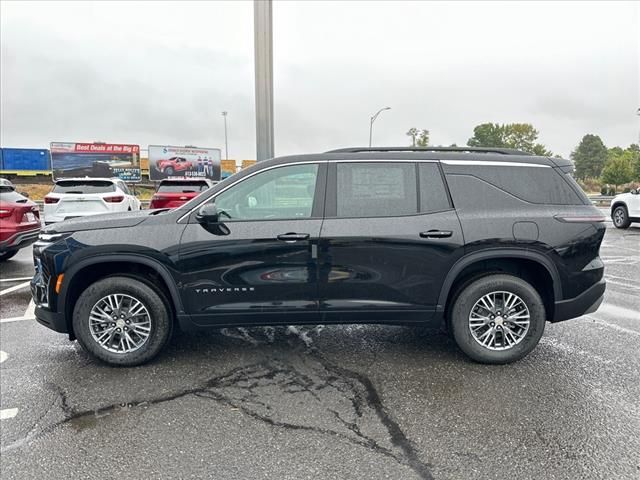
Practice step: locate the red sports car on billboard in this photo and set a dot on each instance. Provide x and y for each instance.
(173, 165)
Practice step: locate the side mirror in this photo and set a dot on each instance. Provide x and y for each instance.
(24, 194)
(208, 214)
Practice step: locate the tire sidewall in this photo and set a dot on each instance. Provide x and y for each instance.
(472, 293)
(161, 322)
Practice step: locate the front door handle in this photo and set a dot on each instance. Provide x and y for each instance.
(436, 234)
(293, 237)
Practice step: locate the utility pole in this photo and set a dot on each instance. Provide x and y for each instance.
(226, 143)
(263, 53)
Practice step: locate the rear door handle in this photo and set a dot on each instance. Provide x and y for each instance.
(293, 237)
(436, 234)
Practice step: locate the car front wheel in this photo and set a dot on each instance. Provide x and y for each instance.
(498, 319)
(620, 217)
(122, 321)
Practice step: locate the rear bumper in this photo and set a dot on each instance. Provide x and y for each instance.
(587, 302)
(20, 239)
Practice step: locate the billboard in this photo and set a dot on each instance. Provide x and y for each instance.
(166, 161)
(95, 160)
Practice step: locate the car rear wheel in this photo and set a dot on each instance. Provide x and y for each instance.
(620, 217)
(498, 319)
(122, 321)
(169, 171)
(7, 255)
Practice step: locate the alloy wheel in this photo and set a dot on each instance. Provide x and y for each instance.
(499, 320)
(120, 323)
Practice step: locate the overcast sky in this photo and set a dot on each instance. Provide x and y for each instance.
(161, 73)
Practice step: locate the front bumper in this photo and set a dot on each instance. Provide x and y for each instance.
(587, 302)
(54, 320)
(20, 240)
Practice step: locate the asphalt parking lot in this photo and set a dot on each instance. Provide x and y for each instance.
(335, 402)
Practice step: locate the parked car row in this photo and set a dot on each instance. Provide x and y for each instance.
(80, 197)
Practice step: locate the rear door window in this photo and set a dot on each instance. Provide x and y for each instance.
(84, 186)
(376, 189)
(182, 187)
(433, 194)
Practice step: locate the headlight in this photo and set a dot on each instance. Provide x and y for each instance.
(51, 237)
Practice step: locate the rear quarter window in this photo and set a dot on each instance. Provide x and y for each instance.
(84, 187)
(539, 185)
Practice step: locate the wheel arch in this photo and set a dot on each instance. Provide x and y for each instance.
(466, 270)
(92, 269)
(619, 203)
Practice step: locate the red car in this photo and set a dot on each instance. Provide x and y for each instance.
(173, 193)
(19, 221)
(173, 165)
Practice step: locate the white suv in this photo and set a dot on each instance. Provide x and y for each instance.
(79, 197)
(625, 209)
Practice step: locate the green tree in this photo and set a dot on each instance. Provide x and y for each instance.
(419, 138)
(487, 135)
(413, 133)
(521, 136)
(634, 153)
(423, 138)
(589, 157)
(618, 170)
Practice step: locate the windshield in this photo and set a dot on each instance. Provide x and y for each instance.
(84, 186)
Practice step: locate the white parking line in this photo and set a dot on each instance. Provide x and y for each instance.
(618, 311)
(16, 319)
(30, 311)
(21, 279)
(8, 413)
(14, 288)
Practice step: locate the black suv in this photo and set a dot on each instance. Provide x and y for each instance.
(490, 243)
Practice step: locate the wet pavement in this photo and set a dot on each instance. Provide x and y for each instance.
(344, 402)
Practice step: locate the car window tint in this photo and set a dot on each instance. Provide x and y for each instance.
(84, 186)
(539, 185)
(433, 195)
(279, 193)
(182, 187)
(376, 189)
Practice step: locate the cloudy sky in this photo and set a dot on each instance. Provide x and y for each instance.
(161, 73)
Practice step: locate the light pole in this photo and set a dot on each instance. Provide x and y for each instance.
(226, 145)
(373, 119)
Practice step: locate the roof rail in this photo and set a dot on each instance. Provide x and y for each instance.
(503, 151)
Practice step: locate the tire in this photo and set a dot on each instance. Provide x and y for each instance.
(169, 171)
(620, 217)
(468, 313)
(156, 323)
(7, 255)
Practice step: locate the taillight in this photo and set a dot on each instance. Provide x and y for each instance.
(580, 218)
(6, 212)
(51, 200)
(114, 199)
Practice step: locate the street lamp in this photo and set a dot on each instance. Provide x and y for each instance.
(226, 145)
(373, 119)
